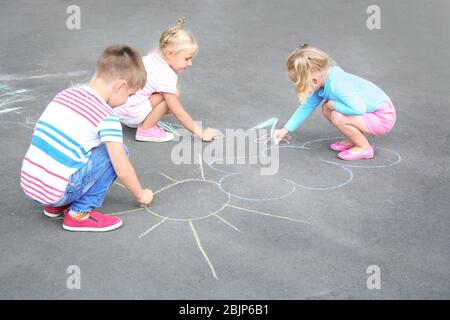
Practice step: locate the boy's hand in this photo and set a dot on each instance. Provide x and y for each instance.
(279, 134)
(209, 134)
(146, 198)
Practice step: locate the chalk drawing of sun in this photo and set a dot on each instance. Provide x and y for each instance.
(318, 175)
(201, 190)
(308, 171)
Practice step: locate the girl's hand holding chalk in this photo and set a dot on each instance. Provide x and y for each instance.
(279, 135)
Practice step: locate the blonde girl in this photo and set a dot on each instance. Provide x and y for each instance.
(161, 95)
(355, 106)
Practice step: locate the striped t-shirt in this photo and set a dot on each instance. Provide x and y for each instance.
(76, 121)
(160, 78)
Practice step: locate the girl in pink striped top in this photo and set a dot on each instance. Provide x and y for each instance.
(160, 95)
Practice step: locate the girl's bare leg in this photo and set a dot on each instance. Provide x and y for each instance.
(157, 113)
(326, 111)
(353, 128)
(160, 109)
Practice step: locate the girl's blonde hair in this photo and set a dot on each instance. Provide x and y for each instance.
(176, 39)
(303, 61)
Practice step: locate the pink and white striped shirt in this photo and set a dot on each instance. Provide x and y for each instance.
(160, 78)
(77, 120)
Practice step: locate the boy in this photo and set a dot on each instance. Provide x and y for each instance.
(76, 151)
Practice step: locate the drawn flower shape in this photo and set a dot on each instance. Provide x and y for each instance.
(384, 157)
(300, 166)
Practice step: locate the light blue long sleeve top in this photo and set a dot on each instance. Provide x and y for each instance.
(352, 95)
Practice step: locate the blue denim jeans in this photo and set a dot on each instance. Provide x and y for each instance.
(88, 186)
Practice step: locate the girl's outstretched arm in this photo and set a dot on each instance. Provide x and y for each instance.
(175, 106)
(300, 115)
(303, 112)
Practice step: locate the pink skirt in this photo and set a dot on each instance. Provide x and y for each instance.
(382, 120)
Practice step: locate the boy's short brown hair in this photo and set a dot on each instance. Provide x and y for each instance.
(122, 62)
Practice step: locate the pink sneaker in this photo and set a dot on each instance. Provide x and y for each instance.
(97, 222)
(54, 212)
(155, 134)
(346, 155)
(338, 146)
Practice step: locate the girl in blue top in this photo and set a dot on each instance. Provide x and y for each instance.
(355, 106)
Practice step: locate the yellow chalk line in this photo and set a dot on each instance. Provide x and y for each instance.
(267, 214)
(149, 230)
(166, 176)
(124, 212)
(197, 239)
(215, 215)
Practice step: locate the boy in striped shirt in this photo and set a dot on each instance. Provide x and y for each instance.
(77, 149)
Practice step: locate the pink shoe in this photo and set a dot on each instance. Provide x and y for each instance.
(337, 146)
(346, 155)
(54, 212)
(97, 222)
(155, 134)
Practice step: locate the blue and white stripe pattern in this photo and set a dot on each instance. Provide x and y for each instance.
(74, 123)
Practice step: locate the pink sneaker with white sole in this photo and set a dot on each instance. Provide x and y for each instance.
(96, 222)
(54, 212)
(347, 155)
(155, 134)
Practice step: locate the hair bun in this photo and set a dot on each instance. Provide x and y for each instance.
(180, 23)
(303, 46)
(180, 26)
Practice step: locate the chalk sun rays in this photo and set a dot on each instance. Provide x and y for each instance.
(196, 237)
(191, 221)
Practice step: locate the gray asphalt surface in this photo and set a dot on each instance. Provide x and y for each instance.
(317, 237)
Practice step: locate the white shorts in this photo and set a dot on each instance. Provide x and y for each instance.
(135, 116)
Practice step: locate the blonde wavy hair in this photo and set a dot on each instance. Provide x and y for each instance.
(176, 39)
(303, 61)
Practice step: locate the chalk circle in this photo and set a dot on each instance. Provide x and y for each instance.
(245, 182)
(310, 172)
(189, 200)
(263, 188)
(383, 157)
(237, 162)
(243, 173)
